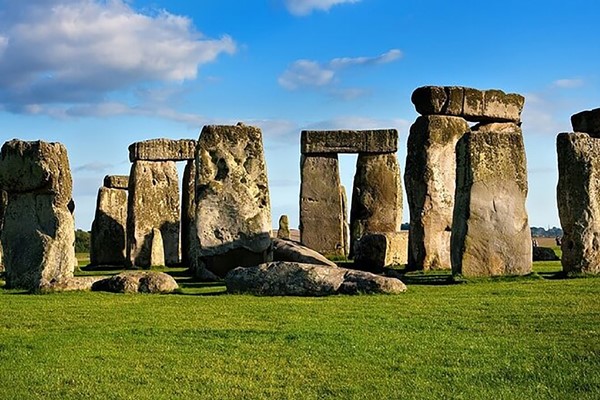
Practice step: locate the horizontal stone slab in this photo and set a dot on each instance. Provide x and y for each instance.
(347, 141)
(116, 181)
(163, 150)
(472, 104)
(587, 122)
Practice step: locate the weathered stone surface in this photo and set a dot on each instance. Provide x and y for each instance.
(116, 181)
(430, 177)
(376, 196)
(153, 202)
(137, 282)
(3, 204)
(189, 248)
(321, 216)
(108, 233)
(297, 279)
(376, 251)
(578, 196)
(39, 167)
(287, 250)
(73, 284)
(345, 141)
(587, 122)
(284, 227)
(157, 249)
(490, 231)
(471, 104)
(544, 254)
(345, 223)
(162, 150)
(233, 212)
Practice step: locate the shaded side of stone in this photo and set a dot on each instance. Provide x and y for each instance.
(3, 204)
(321, 211)
(162, 150)
(287, 250)
(429, 177)
(188, 214)
(153, 202)
(116, 181)
(587, 122)
(233, 211)
(375, 251)
(346, 141)
(490, 231)
(346, 223)
(578, 197)
(376, 196)
(108, 233)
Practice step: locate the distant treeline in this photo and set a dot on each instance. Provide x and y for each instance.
(82, 241)
(541, 232)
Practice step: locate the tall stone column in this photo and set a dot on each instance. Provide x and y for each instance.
(188, 214)
(3, 204)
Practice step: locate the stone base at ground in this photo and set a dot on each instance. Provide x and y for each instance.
(137, 282)
(376, 251)
(297, 279)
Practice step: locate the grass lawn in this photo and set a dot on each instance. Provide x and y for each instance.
(507, 339)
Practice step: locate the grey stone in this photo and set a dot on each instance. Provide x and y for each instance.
(544, 254)
(284, 227)
(108, 235)
(346, 141)
(153, 202)
(376, 196)
(321, 216)
(430, 177)
(157, 249)
(233, 211)
(587, 122)
(345, 223)
(73, 284)
(375, 251)
(3, 204)
(490, 230)
(578, 195)
(471, 104)
(116, 181)
(189, 239)
(287, 250)
(163, 150)
(297, 279)
(137, 282)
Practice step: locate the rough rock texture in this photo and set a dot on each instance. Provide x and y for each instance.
(284, 227)
(134, 282)
(297, 279)
(544, 254)
(116, 181)
(471, 104)
(375, 251)
(38, 234)
(587, 121)
(376, 196)
(157, 249)
(321, 216)
(73, 284)
(430, 177)
(578, 195)
(163, 150)
(345, 224)
(233, 212)
(490, 232)
(189, 239)
(343, 141)
(3, 204)
(286, 250)
(153, 203)
(108, 234)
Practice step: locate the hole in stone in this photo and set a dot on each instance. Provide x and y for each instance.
(222, 170)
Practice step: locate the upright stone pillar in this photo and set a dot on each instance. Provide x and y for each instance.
(38, 234)
(188, 214)
(491, 234)
(346, 224)
(429, 177)
(153, 203)
(108, 234)
(233, 210)
(3, 204)
(284, 228)
(376, 196)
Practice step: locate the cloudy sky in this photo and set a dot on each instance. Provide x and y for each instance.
(99, 75)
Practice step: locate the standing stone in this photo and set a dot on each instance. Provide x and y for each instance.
(284, 228)
(490, 231)
(157, 249)
(578, 195)
(3, 204)
(321, 211)
(587, 122)
(430, 176)
(375, 251)
(188, 214)
(233, 211)
(108, 236)
(346, 224)
(153, 203)
(38, 234)
(376, 196)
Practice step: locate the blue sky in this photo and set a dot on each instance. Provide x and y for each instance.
(99, 75)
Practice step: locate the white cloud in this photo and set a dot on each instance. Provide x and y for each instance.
(305, 7)
(360, 123)
(309, 73)
(568, 83)
(67, 51)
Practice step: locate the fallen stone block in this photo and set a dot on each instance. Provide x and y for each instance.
(287, 250)
(347, 141)
(544, 254)
(137, 282)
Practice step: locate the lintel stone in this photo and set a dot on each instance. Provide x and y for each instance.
(163, 150)
(349, 141)
(116, 181)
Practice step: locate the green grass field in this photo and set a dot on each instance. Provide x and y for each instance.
(507, 339)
